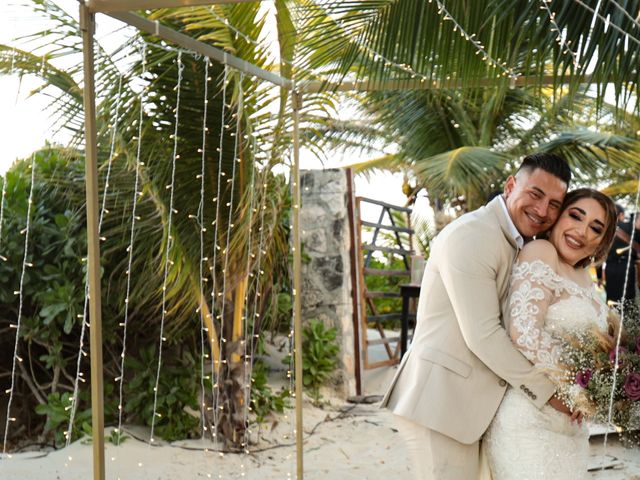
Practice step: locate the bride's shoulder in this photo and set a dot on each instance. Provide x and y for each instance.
(542, 250)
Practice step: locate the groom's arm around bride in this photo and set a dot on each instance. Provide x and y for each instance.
(451, 381)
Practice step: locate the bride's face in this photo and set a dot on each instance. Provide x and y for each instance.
(579, 230)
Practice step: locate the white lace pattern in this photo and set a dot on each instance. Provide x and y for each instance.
(539, 301)
(524, 442)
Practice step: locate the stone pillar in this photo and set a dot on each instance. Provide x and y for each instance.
(326, 276)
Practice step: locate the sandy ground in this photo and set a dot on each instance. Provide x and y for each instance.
(342, 441)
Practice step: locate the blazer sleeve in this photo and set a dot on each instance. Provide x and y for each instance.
(468, 269)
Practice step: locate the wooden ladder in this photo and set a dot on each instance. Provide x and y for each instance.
(369, 310)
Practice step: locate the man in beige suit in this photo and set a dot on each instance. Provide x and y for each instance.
(452, 380)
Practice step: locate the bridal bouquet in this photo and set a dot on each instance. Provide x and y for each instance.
(586, 373)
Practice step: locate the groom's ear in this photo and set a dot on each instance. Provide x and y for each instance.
(509, 185)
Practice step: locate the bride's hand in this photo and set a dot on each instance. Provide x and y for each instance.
(577, 417)
(559, 405)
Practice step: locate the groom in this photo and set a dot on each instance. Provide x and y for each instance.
(452, 380)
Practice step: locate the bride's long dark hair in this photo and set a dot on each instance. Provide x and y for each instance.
(610, 222)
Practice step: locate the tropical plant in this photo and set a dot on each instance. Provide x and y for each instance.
(459, 44)
(46, 298)
(177, 400)
(243, 231)
(319, 356)
(264, 401)
(57, 414)
(461, 148)
(449, 108)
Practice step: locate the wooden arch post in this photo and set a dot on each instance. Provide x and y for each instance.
(87, 25)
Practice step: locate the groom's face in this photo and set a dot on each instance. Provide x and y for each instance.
(533, 200)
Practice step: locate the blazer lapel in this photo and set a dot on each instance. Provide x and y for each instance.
(495, 207)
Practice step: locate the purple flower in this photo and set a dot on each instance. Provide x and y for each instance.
(583, 377)
(632, 386)
(612, 355)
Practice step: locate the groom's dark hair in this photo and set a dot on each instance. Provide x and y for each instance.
(549, 162)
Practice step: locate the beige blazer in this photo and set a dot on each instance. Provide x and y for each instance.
(454, 375)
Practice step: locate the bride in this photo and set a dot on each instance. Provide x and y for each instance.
(551, 291)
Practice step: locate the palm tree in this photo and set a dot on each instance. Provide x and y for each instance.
(459, 147)
(460, 120)
(461, 44)
(243, 230)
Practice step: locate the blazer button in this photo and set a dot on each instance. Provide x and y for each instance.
(522, 387)
(534, 396)
(503, 382)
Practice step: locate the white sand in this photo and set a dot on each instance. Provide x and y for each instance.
(347, 442)
(342, 442)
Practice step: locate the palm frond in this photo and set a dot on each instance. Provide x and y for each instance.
(627, 188)
(589, 152)
(466, 42)
(464, 171)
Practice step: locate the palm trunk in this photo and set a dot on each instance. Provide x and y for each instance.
(232, 420)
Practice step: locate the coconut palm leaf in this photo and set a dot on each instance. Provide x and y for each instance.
(589, 153)
(389, 163)
(405, 39)
(627, 188)
(465, 171)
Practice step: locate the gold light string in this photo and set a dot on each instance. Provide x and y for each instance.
(256, 43)
(246, 340)
(229, 204)
(457, 27)
(17, 325)
(25, 264)
(81, 353)
(200, 217)
(622, 318)
(480, 49)
(215, 362)
(564, 44)
(169, 244)
(246, 378)
(254, 316)
(136, 196)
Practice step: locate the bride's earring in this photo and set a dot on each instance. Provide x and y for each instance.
(592, 259)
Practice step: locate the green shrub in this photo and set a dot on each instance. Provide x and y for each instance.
(177, 391)
(263, 400)
(58, 412)
(319, 356)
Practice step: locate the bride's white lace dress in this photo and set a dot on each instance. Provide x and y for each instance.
(524, 442)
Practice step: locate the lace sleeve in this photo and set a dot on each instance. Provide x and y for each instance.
(533, 286)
